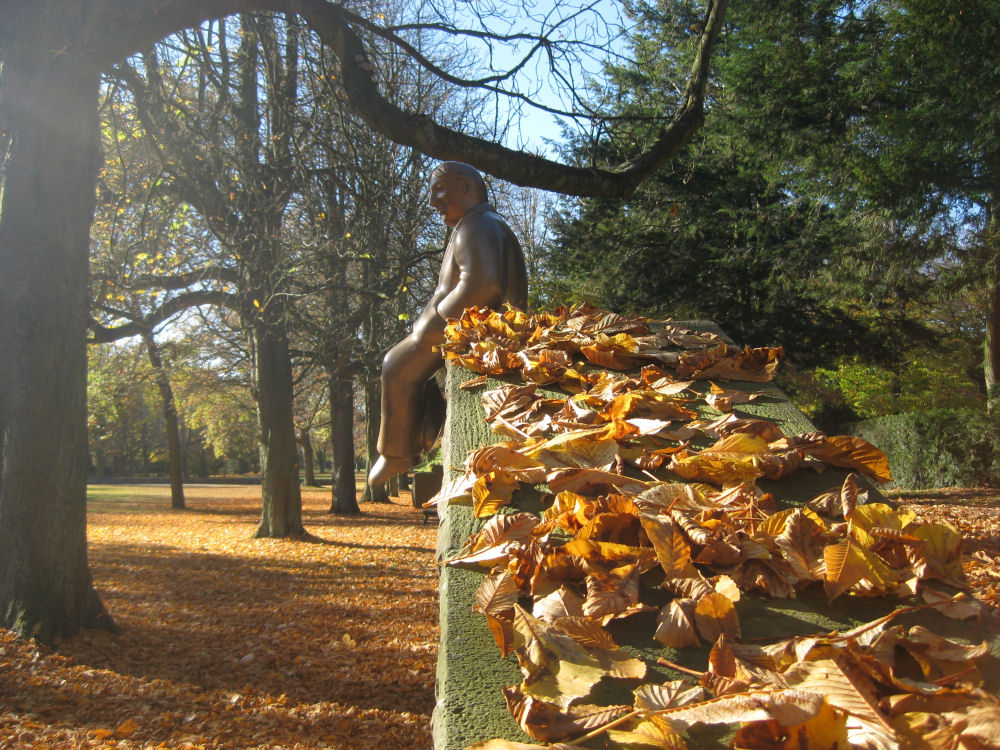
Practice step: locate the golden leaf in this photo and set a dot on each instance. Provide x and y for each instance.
(713, 468)
(647, 732)
(675, 626)
(715, 615)
(549, 722)
(787, 707)
(826, 730)
(647, 404)
(853, 453)
(846, 564)
(586, 449)
(940, 556)
(843, 685)
(672, 548)
(504, 458)
(492, 491)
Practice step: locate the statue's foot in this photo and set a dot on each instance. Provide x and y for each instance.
(387, 467)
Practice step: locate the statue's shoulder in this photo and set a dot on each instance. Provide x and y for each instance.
(477, 222)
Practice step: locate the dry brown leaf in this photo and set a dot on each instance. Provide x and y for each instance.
(496, 595)
(549, 722)
(853, 453)
(671, 546)
(843, 684)
(668, 695)
(715, 615)
(802, 542)
(787, 707)
(675, 626)
(826, 730)
(592, 482)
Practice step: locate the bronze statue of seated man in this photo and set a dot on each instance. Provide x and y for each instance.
(483, 266)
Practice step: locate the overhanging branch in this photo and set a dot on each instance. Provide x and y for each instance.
(116, 35)
(423, 133)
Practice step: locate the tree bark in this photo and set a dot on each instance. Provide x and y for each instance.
(374, 493)
(344, 495)
(308, 469)
(281, 499)
(170, 420)
(991, 358)
(49, 151)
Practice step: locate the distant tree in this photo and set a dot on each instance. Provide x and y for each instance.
(928, 146)
(124, 428)
(723, 230)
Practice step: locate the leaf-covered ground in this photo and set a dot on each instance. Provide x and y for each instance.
(231, 642)
(234, 643)
(976, 515)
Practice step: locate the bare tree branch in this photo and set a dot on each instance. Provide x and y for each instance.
(147, 21)
(138, 325)
(518, 167)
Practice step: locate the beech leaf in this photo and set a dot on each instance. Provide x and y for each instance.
(787, 707)
(675, 626)
(672, 548)
(844, 686)
(715, 615)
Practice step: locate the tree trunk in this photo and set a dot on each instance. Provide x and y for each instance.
(308, 470)
(281, 499)
(170, 419)
(49, 151)
(991, 358)
(991, 362)
(374, 493)
(344, 495)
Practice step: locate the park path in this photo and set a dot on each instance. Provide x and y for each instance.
(230, 642)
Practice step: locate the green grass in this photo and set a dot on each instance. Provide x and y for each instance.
(132, 498)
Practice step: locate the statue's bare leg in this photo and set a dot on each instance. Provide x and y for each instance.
(405, 371)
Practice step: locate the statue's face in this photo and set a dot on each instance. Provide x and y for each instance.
(451, 196)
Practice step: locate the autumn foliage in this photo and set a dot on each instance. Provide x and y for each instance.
(642, 493)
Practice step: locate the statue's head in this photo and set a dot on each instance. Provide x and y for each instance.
(455, 188)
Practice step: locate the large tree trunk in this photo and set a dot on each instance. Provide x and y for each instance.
(170, 420)
(281, 512)
(344, 499)
(48, 136)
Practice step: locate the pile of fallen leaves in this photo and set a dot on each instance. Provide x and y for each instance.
(641, 494)
(231, 642)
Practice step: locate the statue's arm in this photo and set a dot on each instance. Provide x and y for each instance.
(479, 260)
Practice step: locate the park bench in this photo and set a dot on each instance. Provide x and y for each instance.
(425, 485)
